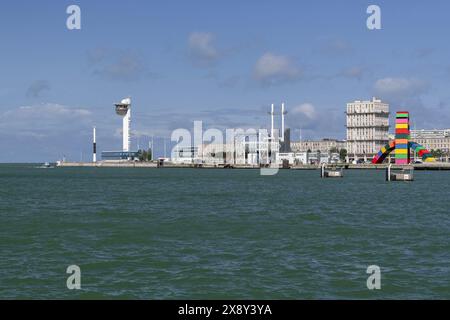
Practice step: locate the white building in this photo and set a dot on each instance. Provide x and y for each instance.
(430, 134)
(324, 145)
(367, 127)
(185, 155)
(299, 158)
(436, 139)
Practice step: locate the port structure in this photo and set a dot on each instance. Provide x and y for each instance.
(123, 109)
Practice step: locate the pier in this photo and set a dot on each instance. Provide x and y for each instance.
(331, 172)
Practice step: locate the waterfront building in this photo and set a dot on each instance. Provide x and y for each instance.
(185, 155)
(120, 155)
(215, 153)
(367, 127)
(299, 158)
(432, 134)
(436, 139)
(324, 145)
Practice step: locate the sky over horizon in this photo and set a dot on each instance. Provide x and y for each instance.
(223, 63)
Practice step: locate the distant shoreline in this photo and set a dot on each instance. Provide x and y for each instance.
(423, 166)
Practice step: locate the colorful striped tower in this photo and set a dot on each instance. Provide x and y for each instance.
(402, 136)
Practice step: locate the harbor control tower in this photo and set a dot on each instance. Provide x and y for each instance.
(123, 109)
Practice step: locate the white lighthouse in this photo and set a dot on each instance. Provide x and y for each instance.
(123, 109)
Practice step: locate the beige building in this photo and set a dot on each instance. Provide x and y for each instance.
(324, 145)
(367, 127)
(432, 139)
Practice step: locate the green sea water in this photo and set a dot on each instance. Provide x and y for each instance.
(221, 234)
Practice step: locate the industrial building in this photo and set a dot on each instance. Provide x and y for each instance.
(185, 155)
(367, 125)
(253, 148)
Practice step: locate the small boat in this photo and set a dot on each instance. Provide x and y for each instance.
(46, 165)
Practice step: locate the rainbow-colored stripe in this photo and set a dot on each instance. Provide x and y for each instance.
(402, 136)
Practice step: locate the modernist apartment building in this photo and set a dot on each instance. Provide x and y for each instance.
(324, 145)
(367, 127)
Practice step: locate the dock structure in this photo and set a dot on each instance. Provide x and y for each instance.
(404, 173)
(331, 172)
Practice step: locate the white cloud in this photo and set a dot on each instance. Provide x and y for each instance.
(202, 49)
(42, 120)
(399, 88)
(353, 72)
(271, 69)
(336, 46)
(305, 109)
(47, 110)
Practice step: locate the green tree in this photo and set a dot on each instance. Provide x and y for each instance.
(142, 155)
(334, 150)
(342, 154)
(437, 153)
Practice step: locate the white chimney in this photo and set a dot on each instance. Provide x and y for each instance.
(282, 122)
(94, 147)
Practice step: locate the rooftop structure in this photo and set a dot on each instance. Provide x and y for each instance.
(430, 134)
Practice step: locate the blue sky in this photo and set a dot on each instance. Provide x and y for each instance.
(223, 62)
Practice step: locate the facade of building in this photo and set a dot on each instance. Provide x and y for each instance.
(432, 134)
(185, 155)
(232, 153)
(432, 139)
(367, 127)
(299, 158)
(285, 145)
(119, 155)
(324, 145)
